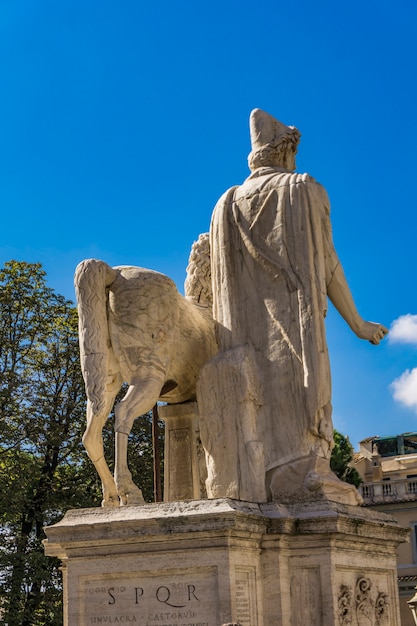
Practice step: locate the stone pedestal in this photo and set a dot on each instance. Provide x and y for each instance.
(209, 562)
(185, 465)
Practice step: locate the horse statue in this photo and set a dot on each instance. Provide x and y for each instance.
(136, 328)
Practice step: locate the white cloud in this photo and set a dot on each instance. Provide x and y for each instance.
(404, 388)
(404, 330)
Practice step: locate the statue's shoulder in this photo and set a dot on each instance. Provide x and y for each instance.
(227, 197)
(315, 191)
(285, 178)
(304, 178)
(309, 181)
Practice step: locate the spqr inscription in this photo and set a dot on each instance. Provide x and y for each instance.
(152, 600)
(164, 594)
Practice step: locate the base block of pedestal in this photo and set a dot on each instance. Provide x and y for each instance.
(210, 562)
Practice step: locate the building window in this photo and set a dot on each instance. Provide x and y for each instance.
(410, 444)
(394, 446)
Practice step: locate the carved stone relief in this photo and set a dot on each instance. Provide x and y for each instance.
(361, 605)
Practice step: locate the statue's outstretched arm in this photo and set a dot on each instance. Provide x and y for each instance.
(340, 295)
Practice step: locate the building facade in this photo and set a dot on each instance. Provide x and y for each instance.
(388, 469)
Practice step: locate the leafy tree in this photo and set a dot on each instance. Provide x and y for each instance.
(42, 408)
(44, 469)
(341, 458)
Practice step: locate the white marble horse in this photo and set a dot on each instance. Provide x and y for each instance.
(135, 327)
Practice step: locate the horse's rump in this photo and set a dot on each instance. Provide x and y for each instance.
(153, 327)
(143, 319)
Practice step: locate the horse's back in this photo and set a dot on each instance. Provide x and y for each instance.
(153, 326)
(139, 293)
(143, 319)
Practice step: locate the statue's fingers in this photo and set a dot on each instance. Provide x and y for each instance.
(382, 332)
(376, 338)
(379, 334)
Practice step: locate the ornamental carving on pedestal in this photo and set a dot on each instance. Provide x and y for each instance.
(381, 609)
(358, 606)
(345, 606)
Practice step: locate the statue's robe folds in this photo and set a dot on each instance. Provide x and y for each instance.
(272, 261)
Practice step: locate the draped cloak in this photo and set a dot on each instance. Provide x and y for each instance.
(272, 261)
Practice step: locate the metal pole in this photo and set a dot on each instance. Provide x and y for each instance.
(157, 487)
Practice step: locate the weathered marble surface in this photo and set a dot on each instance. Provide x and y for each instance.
(136, 328)
(260, 367)
(265, 399)
(213, 562)
(185, 469)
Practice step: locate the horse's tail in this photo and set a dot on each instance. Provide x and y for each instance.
(198, 282)
(91, 279)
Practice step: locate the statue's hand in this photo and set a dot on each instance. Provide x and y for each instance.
(372, 332)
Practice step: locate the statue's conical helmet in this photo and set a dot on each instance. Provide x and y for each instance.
(265, 129)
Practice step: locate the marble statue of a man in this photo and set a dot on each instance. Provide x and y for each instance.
(264, 401)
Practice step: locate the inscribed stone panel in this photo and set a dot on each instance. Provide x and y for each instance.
(168, 598)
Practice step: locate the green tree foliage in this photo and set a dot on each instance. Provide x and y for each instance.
(42, 409)
(44, 469)
(341, 458)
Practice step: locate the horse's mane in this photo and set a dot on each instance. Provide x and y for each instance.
(198, 282)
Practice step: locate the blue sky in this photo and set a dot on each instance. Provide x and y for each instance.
(121, 123)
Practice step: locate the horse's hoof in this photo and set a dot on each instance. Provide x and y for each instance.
(110, 501)
(133, 498)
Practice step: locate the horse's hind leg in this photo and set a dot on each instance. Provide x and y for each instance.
(139, 399)
(93, 443)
